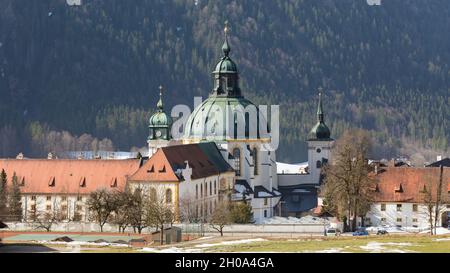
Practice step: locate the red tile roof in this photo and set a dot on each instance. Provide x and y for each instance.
(407, 184)
(69, 176)
(166, 161)
(157, 169)
(192, 153)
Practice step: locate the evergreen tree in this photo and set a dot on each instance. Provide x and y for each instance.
(14, 200)
(241, 213)
(3, 195)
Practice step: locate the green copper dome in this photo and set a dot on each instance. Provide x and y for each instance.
(160, 118)
(209, 120)
(226, 65)
(160, 123)
(320, 131)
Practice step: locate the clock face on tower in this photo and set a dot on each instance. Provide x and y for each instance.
(158, 133)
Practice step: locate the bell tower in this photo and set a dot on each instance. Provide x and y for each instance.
(319, 144)
(160, 125)
(226, 75)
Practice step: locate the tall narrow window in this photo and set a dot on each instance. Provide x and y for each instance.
(215, 187)
(168, 196)
(237, 161)
(196, 191)
(153, 194)
(255, 161)
(201, 190)
(319, 164)
(210, 188)
(206, 189)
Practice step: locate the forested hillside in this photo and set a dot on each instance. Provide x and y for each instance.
(87, 77)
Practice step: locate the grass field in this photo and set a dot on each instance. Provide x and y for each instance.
(343, 244)
(369, 244)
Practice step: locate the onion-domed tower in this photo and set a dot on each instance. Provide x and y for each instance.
(211, 120)
(319, 144)
(240, 131)
(159, 125)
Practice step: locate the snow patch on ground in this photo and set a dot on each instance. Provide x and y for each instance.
(439, 231)
(75, 243)
(381, 247)
(294, 220)
(170, 250)
(200, 247)
(330, 250)
(236, 242)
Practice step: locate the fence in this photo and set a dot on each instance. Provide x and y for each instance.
(192, 230)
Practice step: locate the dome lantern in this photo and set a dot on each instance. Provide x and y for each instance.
(320, 131)
(159, 123)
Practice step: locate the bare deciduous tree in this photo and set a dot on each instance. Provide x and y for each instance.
(160, 212)
(433, 197)
(102, 203)
(348, 187)
(221, 216)
(188, 209)
(46, 219)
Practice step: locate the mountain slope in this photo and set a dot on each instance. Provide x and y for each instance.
(95, 68)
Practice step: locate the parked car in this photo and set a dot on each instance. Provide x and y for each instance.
(332, 232)
(382, 232)
(361, 232)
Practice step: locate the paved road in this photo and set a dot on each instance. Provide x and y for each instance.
(26, 248)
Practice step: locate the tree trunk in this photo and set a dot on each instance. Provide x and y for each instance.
(162, 234)
(438, 198)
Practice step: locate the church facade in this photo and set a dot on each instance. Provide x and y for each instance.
(241, 133)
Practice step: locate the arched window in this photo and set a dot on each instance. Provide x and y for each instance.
(319, 164)
(168, 196)
(215, 187)
(206, 189)
(237, 161)
(196, 191)
(210, 188)
(153, 194)
(201, 190)
(255, 161)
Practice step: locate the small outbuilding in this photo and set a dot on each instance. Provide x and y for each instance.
(3, 225)
(171, 235)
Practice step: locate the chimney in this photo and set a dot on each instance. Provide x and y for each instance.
(391, 163)
(19, 156)
(50, 156)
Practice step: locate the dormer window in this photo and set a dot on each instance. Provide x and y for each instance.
(52, 182)
(399, 188)
(114, 183)
(163, 170)
(424, 189)
(22, 182)
(152, 169)
(83, 182)
(377, 189)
